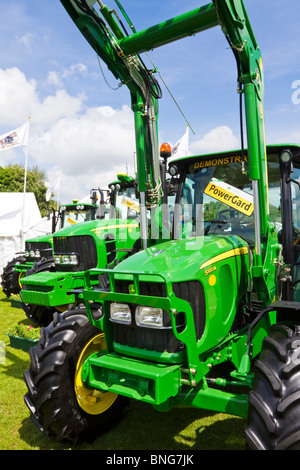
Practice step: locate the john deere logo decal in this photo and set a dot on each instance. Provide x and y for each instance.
(131, 289)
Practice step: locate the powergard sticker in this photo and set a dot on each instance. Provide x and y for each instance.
(233, 197)
(131, 204)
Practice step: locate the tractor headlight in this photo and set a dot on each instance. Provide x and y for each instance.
(149, 316)
(66, 259)
(74, 260)
(120, 313)
(33, 254)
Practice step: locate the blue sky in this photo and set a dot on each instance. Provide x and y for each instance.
(83, 129)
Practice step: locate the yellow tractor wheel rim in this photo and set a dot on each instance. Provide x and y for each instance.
(92, 401)
(19, 279)
(61, 308)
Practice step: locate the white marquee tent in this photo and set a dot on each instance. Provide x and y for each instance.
(12, 219)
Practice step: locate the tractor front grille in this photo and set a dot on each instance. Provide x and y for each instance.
(161, 339)
(146, 338)
(83, 246)
(154, 289)
(193, 292)
(110, 245)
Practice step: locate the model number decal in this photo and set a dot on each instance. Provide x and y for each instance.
(210, 270)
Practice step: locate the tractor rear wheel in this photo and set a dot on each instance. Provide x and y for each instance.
(11, 278)
(274, 401)
(60, 405)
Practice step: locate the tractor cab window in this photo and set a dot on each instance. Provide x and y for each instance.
(125, 204)
(215, 198)
(296, 199)
(76, 215)
(295, 193)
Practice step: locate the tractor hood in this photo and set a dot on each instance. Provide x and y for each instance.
(97, 227)
(40, 238)
(97, 243)
(182, 259)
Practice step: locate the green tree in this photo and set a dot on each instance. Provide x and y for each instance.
(12, 180)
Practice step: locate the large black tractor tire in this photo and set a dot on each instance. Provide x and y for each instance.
(40, 315)
(10, 278)
(45, 264)
(274, 401)
(60, 405)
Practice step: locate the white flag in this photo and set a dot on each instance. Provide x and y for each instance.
(53, 186)
(15, 138)
(181, 148)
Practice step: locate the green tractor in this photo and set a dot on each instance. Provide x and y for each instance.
(100, 243)
(209, 316)
(40, 249)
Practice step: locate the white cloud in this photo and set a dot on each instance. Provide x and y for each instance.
(219, 139)
(89, 149)
(57, 77)
(20, 99)
(54, 78)
(87, 145)
(27, 40)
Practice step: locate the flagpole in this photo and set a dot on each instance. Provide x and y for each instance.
(58, 192)
(24, 191)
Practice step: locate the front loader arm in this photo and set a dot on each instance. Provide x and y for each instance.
(98, 35)
(103, 34)
(120, 51)
(236, 26)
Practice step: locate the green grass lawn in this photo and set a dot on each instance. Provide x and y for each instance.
(142, 427)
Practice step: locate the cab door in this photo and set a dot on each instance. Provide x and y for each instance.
(290, 234)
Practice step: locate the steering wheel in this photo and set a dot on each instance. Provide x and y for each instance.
(218, 221)
(243, 219)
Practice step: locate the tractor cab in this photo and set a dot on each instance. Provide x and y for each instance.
(214, 197)
(76, 213)
(124, 203)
